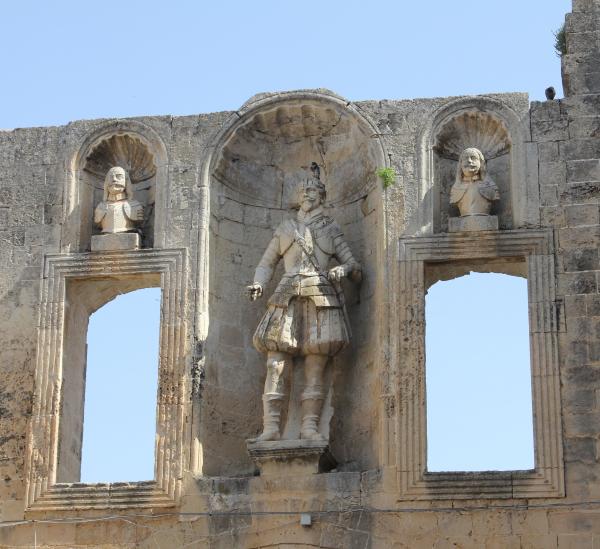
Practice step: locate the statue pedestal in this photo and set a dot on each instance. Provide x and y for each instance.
(115, 241)
(291, 457)
(472, 223)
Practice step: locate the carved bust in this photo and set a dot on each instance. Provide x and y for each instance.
(473, 190)
(118, 212)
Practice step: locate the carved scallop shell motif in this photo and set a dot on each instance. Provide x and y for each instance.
(473, 129)
(265, 158)
(125, 151)
(296, 121)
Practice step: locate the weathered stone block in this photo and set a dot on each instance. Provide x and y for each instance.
(580, 74)
(552, 173)
(548, 151)
(115, 241)
(579, 283)
(581, 42)
(583, 170)
(595, 351)
(550, 130)
(579, 237)
(552, 216)
(575, 522)
(581, 22)
(583, 376)
(582, 105)
(581, 424)
(539, 541)
(575, 193)
(578, 400)
(575, 541)
(578, 349)
(549, 195)
(584, 127)
(580, 149)
(592, 303)
(590, 6)
(575, 306)
(544, 111)
(473, 223)
(582, 214)
(584, 259)
(580, 449)
(492, 524)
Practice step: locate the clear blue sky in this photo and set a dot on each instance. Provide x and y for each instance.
(479, 414)
(67, 60)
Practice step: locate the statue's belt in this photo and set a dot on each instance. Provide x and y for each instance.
(316, 287)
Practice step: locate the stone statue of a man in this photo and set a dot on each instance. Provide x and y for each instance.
(306, 316)
(473, 190)
(118, 212)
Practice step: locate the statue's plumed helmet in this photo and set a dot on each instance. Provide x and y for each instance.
(315, 181)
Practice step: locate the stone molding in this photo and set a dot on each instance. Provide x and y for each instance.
(547, 479)
(44, 493)
(283, 449)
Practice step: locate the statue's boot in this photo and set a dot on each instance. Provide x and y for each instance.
(272, 403)
(312, 402)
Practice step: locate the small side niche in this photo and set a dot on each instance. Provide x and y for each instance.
(489, 134)
(132, 154)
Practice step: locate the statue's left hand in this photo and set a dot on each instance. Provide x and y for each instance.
(335, 274)
(255, 291)
(138, 213)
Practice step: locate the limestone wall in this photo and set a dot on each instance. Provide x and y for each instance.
(215, 187)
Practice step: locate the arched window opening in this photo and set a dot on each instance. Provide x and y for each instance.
(478, 376)
(120, 389)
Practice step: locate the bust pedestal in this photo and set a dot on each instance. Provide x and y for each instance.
(115, 241)
(291, 457)
(472, 223)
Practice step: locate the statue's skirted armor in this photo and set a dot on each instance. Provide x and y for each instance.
(305, 314)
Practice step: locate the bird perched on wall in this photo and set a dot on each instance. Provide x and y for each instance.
(316, 170)
(550, 93)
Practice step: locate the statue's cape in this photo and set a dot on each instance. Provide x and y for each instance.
(489, 190)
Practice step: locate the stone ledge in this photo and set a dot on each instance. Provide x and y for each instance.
(281, 449)
(469, 223)
(296, 457)
(115, 241)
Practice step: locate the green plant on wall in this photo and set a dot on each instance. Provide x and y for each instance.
(560, 41)
(388, 176)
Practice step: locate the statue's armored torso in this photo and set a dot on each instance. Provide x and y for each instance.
(117, 216)
(474, 198)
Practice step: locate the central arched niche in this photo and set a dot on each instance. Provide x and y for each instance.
(265, 157)
(258, 161)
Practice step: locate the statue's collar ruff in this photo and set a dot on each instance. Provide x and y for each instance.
(308, 217)
(117, 197)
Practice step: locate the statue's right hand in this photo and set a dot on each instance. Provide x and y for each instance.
(254, 291)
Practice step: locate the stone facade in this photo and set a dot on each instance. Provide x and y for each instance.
(213, 188)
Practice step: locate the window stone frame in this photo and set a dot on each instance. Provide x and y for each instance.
(546, 320)
(173, 401)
